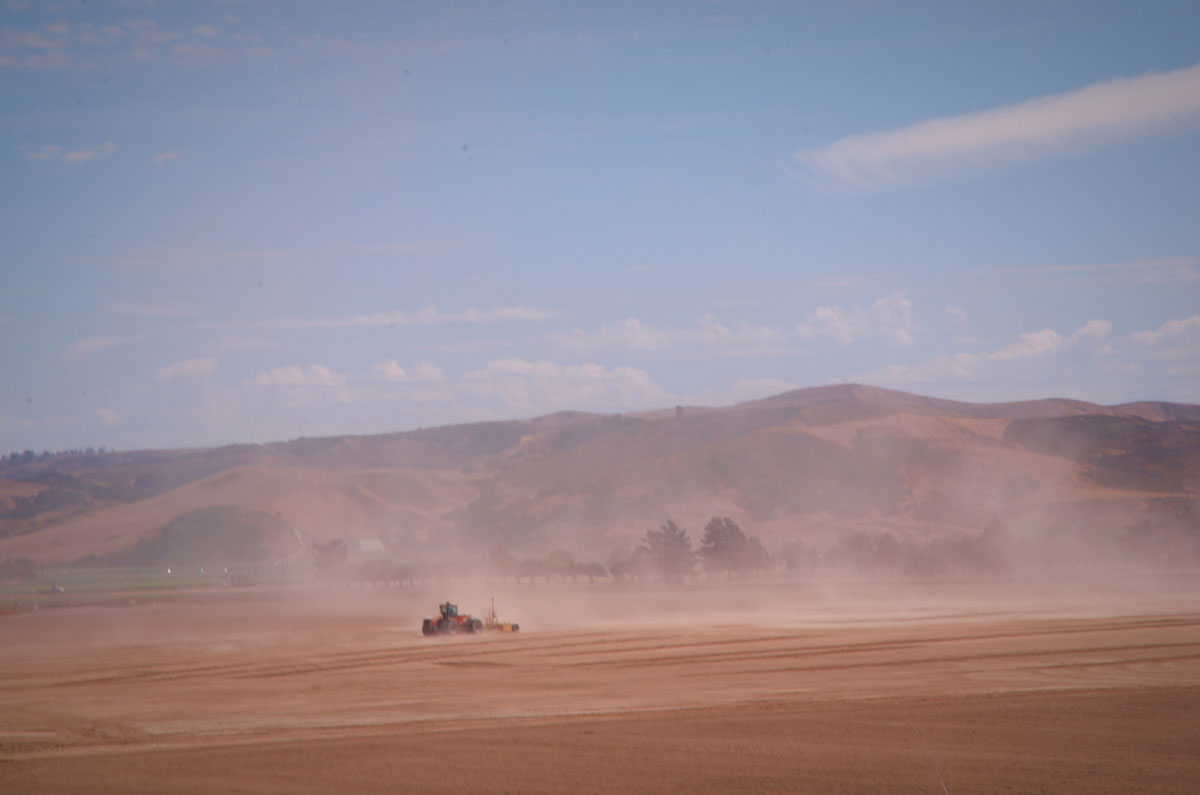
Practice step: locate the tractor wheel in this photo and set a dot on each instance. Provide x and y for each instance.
(428, 628)
(474, 625)
(451, 628)
(516, 627)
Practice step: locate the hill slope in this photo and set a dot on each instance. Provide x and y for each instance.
(811, 465)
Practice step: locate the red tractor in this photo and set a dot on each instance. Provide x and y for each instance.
(450, 622)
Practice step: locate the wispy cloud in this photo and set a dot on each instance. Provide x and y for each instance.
(86, 347)
(421, 372)
(170, 155)
(1143, 271)
(188, 368)
(1170, 331)
(1089, 363)
(33, 49)
(78, 43)
(315, 375)
(429, 316)
(889, 317)
(526, 386)
(1043, 345)
(188, 259)
(149, 310)
(714, 336)
(1055, 125)
(108, 416)
(247, 342)
(72, 157)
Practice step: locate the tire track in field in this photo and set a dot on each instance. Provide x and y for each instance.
(802, 649)
(645, 650)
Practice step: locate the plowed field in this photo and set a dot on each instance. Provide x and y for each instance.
(607, 692)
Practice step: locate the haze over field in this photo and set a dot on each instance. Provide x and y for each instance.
(845, 477)
(226, 223)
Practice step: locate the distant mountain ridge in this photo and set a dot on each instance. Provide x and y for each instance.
(807, 465)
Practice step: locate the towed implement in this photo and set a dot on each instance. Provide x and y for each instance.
(451, 622)
(492, 621)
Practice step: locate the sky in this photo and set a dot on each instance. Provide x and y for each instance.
(249, 221)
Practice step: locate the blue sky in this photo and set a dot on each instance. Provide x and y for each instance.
(252, 221)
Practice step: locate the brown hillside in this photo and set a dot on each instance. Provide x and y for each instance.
(809, 465)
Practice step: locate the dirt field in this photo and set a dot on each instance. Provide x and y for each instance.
(750, 688)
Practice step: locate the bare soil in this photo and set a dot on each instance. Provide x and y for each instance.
(947, 689)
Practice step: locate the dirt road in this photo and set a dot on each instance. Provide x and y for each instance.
(341, 693)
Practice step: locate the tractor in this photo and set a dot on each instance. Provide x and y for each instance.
(450, 622)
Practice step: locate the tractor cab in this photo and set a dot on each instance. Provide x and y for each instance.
(448, 610)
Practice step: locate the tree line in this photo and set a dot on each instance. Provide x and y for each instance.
(664, 554)
(667, 553)
(28, 456)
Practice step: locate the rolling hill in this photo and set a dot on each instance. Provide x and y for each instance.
(1059, 479)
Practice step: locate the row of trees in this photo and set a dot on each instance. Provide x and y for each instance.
(667, 552)
(27, 456)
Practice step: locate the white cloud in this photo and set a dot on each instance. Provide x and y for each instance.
(294, 376)
(1037, 344)
(1046, 345)
(422, 372)
(108, 416)
(1171, 331)
(167, 156)
(525, 386)
(1092, 331)
(1030, 345)
(188, 368)
(956, 315)
(73, 157)
(86, 347)
(1058, 124)
(631, 334)
(889, 317)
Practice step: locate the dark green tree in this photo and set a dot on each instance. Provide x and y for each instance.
(720, 545)
(725, 548)
(670, 551)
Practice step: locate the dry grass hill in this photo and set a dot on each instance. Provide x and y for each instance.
(1052, 480)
